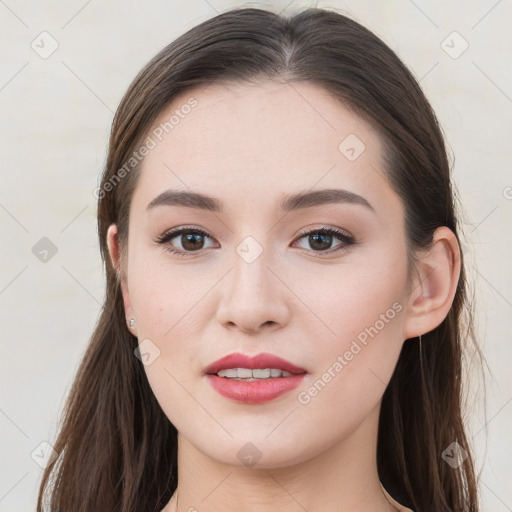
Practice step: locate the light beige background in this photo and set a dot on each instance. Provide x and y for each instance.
(56, 114)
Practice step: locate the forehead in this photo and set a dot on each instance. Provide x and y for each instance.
(260, 140)
(254, 113)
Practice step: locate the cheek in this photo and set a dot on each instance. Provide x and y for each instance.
(362, 315)
(353, 371)
(165, 296)
(343, 301)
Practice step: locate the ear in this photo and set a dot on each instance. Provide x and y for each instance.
(434, 284)
(115, 257)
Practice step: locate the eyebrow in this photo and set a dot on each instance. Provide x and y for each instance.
(293, 202)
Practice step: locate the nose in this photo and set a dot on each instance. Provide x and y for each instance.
(254, 297)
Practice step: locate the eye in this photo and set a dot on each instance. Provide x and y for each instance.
(322, 238)
(191, 240)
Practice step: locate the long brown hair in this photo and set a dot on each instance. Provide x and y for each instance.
(117, 449)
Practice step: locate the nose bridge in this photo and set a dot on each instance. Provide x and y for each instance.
(253, 295)
(251, 261)
(252, 280)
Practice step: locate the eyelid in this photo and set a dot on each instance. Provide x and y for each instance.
(324, 228)
(175, 232)
(343, 235)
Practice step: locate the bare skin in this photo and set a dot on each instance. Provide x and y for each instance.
(249, 147)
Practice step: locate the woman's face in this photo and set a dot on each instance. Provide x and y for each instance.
(264, 279)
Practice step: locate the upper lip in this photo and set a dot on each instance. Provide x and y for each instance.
(263, 361)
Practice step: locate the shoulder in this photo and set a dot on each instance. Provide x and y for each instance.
(395, 503)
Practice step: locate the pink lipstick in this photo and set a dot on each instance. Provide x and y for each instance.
(253, 380)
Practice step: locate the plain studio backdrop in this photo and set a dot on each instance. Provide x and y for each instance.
(65, 67)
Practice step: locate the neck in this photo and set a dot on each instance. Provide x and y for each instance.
(341, 476)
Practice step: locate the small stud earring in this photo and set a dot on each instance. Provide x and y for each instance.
(132, 322)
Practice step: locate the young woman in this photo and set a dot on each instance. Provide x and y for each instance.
(285, 304)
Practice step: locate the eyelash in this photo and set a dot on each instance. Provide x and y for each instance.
(342, 235)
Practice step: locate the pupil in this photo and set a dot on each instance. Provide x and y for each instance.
(194, 239)
(313, 239)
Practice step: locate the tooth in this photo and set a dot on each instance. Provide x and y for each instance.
(244, 373)
(231, 372)
(257, 373)
(261, 374)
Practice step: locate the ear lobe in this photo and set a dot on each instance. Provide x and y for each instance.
(433, 289)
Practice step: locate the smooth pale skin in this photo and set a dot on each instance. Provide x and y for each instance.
(248, 146)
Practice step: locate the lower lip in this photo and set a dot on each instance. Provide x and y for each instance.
(254, 392)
